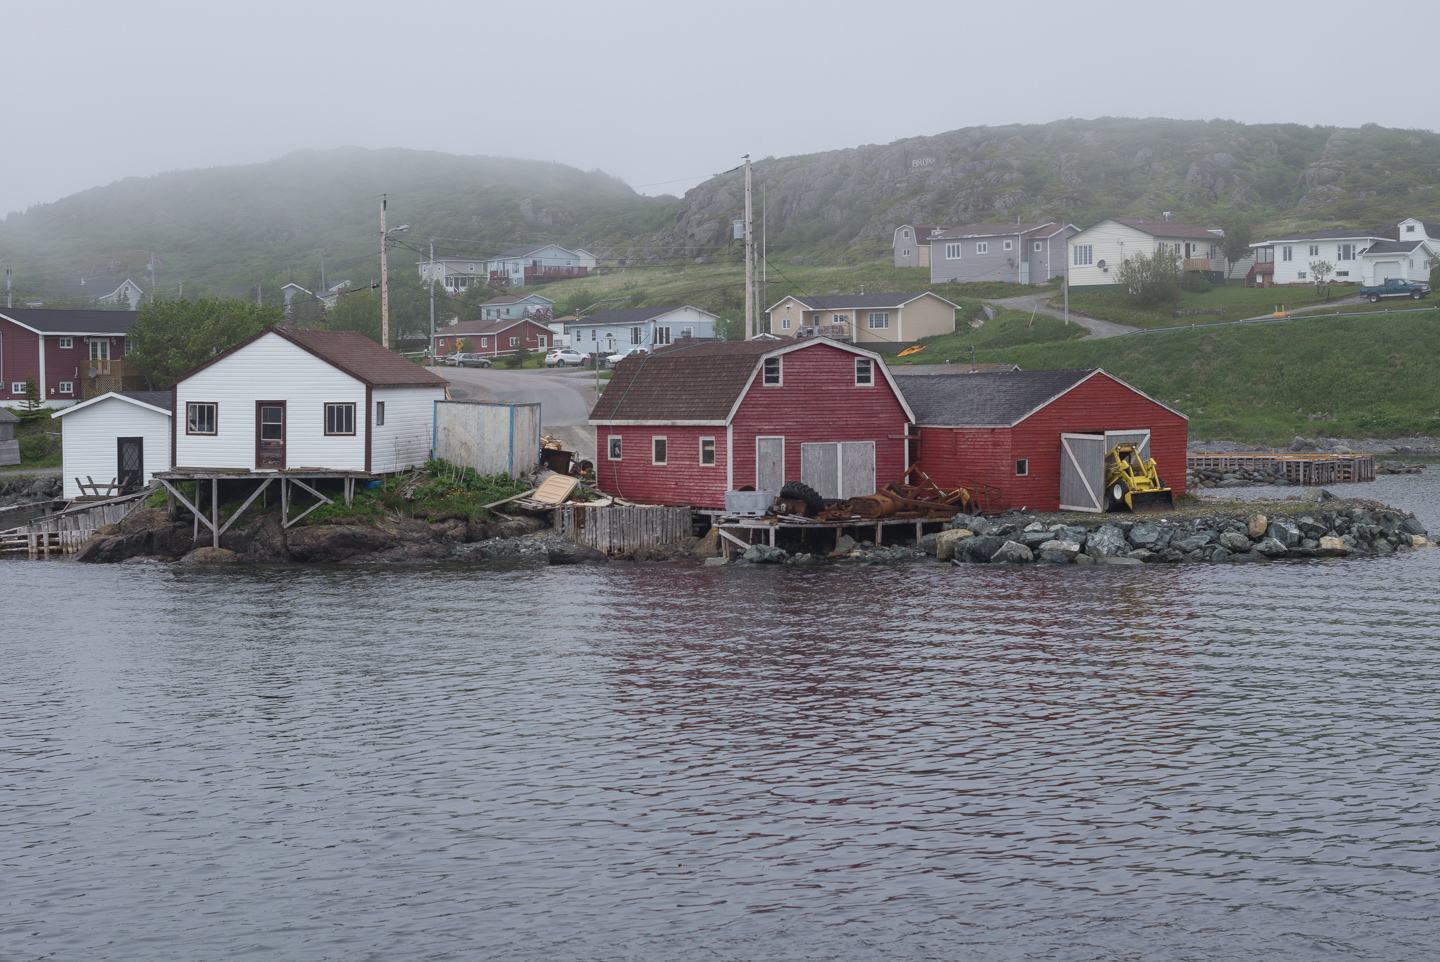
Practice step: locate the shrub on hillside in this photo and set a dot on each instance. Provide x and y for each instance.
(1196, 284)
(1150, 279)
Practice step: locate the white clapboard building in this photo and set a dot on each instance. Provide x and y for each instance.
(294, 400)
(122, 437)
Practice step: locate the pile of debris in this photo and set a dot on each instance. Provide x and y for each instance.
(900, 500)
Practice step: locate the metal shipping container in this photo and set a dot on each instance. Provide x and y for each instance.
(491, 437)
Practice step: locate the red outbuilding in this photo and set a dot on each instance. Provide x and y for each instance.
(1038, 439)
(683, 425)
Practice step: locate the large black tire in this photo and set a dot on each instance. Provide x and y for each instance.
(1374, 298)
(800, 491)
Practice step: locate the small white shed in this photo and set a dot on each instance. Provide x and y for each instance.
(123, 436)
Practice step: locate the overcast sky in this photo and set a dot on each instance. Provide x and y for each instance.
(659, 94)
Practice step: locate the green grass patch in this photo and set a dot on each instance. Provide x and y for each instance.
(1372, 376)
(39, 438)
(447, 491)
(1010, 328)
(1235, 300)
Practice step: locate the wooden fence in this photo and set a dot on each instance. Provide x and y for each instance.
(66, 533)
(616, 529)
(1308, 469)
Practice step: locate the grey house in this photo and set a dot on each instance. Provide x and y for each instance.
(1018, 253)
(912, 244)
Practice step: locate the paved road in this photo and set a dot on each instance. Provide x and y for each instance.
(1096, 327)
(565, 397)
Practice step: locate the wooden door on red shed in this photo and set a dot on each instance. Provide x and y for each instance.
(769, 463)
(838, 469)
(1082, 472)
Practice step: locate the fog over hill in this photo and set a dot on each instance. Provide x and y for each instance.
(276, 221)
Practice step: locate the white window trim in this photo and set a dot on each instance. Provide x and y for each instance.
(1022, 467)
(882, 315)
(66, 343)
(869, 364)
(779, 371)
(17, 387)
(1084, 255)
(1037, 246)
(700, 455)
(663, 439)
(615, 447)
(954, 252)
(1007, 245)
(982, 247)
(66, 387)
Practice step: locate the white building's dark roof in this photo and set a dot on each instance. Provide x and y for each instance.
(87, 322)
(1393, 247)
(632, 315)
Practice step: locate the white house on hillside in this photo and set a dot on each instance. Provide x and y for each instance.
(302, 400)
(123, 436)
(627, 327)
(1286, 259)
(1097, 252)
(538, 263)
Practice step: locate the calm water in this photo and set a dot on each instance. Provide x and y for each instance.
(664, 763)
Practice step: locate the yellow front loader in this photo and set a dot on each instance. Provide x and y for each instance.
(1132, 483)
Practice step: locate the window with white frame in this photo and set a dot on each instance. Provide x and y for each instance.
(907, 233)
(66, 343)
(542, 341)
(879, 320)
(771, 375)
(659, 450)
(1084, 254)
(952, 251)
(484, 342)
(379, 413)
(982, 247)
(614, 447)
(1300, 274)
(905, 252)
(686, 333)
(200, 417)
(1007, 245)
(840, 319)
(1409, 228)
(1022, 467)
(593, 332)
(339, 419)
(662, 335)
(1314, 250)
(100, 349)
(1287, 253)
(707, 452)
(785, 323)
(635, 336)
(1037, 247)
(17, 387)
(66, 387)
(514, 342)
(1345, 252)
(864, 372)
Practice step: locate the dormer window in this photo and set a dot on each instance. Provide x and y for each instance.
(1409, 228)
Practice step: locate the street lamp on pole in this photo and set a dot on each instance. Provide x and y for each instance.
(385, 274)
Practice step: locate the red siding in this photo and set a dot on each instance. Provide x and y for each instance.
(818, 401)
(445, 343)
(954, 456)
(681, 480)
(19, 357)
(72, 364)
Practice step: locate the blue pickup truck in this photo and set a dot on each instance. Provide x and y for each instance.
(1395, 287)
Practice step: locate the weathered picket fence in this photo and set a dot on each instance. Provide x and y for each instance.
(616, 529)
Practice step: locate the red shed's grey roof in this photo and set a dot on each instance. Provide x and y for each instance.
(695, 382)
(994, 400)
(100, 323)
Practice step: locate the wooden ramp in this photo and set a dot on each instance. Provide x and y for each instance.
(66, 532)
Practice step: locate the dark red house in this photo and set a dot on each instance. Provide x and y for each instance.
(1039, 437)
(686, 424)
(72, 355)
(493, 337)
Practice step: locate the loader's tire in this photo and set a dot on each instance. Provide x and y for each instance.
(800, 491)
(1117, 493)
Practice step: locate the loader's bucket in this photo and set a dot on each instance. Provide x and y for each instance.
(1144, 502)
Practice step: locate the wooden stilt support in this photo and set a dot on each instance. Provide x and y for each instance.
(215, 510)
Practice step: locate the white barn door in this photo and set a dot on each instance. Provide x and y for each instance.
(1139, 437)
(769, 463)
(1082, 472)
(839, 469)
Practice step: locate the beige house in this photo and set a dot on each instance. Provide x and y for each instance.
(864, 318)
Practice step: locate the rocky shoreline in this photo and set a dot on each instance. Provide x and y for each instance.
(1407, 447)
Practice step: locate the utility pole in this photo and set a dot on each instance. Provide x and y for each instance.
(1067, 282)
(8, 304)
(384, 279)
(153, 292)
(749, 260)
(765, 252)
(431, 275)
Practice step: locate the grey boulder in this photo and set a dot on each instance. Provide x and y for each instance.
(1107, 542)
(1012, 552)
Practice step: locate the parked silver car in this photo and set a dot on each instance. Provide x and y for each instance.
(562, 356)
(474, 360)
(615, 359)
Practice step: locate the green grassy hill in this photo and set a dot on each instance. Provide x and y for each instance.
(1375, 376)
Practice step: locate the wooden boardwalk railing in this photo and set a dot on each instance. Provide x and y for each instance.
(616, 529)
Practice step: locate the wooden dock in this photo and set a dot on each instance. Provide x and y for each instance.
(1302, 469)
(66, 532)
(739, 534)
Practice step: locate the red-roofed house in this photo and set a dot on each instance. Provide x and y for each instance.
(294, 399)
(684, 425)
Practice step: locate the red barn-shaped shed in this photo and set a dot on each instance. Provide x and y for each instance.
(1039, 437)
(684, 425)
